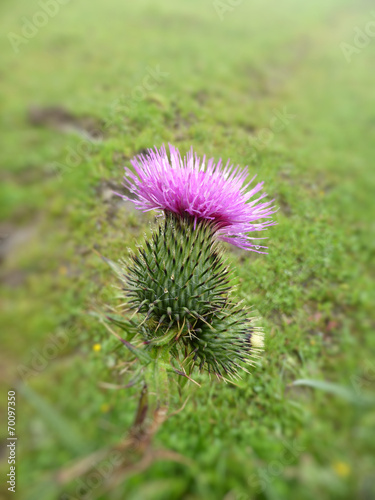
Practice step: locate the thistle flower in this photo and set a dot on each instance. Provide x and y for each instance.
(178, 282)
(189, 187)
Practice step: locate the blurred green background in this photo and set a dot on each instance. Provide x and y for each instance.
(286, 88)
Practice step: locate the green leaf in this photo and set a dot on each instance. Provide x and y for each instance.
(126, 325)
(143, 357)
(345, 393)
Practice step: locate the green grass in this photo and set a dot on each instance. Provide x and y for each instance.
(224, 82)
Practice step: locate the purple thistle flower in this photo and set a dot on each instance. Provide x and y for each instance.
(190, 187)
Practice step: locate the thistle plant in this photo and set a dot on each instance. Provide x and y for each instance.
(177, 284)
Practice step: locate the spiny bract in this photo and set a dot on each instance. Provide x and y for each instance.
(179, 275)
(227, 343)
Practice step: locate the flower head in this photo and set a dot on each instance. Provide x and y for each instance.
(191, 188)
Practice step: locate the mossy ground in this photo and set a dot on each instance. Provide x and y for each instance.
(220, 85)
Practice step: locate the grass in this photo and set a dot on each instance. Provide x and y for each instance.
(223, 83)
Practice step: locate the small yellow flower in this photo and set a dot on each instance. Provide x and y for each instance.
(312, 342)
(104, 408)
(342, 469)
(96, 347)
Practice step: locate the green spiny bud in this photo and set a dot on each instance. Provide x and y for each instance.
(179, 284)
(226, 344)
(179, 276)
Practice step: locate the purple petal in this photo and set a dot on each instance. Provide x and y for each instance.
(204, 190)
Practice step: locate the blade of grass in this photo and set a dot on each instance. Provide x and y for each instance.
(343, 392)
(64, 431)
